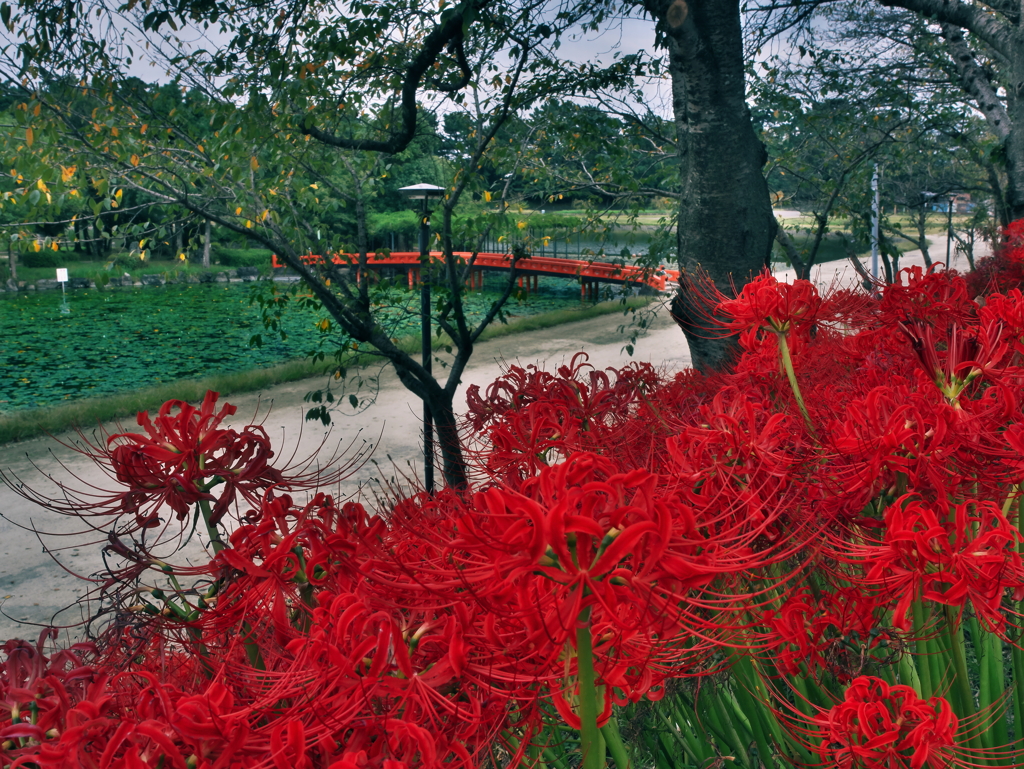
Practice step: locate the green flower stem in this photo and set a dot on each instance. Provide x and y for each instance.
(737, 744)
(552, 759)
(962, 683)
(1017, 659)
(909, 674)
(710, 720)
(616, 747)
(1017, 637)
(211, 529)
(922, 652)
(590, 737)
(803, 699)
(675, 731)
(994, 665)
(683, 718)
(749, 706)
(653, 743)
(252, 649)
(787, 365)
(985, 693)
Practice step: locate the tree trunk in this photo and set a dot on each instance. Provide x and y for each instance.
(922, 236)
(726, 223)
(453, 466)
(206, 245)
(1014, 144)
(998, 198)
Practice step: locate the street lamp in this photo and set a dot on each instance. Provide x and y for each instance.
(949, 227)
(425, 193)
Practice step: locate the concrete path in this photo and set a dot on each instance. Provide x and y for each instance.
(34, 587)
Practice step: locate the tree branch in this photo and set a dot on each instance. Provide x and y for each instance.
(975, 82)
(442, 35)
(974, 18)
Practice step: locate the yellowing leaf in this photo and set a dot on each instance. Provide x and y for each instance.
(37, 246)
(265, 214)
(37, 110)
(67, 173)
(118, 195)
(238, 211)
(254, 163)
(200, 147)
(487, 196)
(521, 225)
(135, 160)
(114, 132)
(143, 127)
(248, 224)
(29, 136)
(54, 245)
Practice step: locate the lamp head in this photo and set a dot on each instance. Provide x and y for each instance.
(425, 192)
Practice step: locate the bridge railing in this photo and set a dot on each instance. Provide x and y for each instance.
(584, 270)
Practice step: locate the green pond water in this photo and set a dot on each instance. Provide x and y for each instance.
(127, 338)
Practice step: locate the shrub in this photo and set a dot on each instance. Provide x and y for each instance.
(242, 257)
(42, 259)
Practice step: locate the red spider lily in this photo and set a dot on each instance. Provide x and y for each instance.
(184, 455)
(929, 296)
(969, 553)
(781, 308)
(1012, 246)
(878, 726)
(895, 430)
(837, 632)
(531, 418)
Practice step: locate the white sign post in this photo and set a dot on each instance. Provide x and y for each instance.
(62, 278)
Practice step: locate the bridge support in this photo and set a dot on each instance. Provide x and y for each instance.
(529, 282)
(413, 275)
(589, 290)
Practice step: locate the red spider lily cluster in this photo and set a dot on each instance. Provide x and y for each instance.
(813, 559)
(885, 727)
(1004, 269)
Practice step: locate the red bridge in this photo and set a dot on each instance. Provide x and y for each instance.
(590, 274)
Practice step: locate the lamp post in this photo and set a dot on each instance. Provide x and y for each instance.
(949, 227)
(425, 193)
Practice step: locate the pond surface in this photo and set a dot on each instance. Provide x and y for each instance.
(125, 338)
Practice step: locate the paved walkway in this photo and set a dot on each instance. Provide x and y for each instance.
(33, 588)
